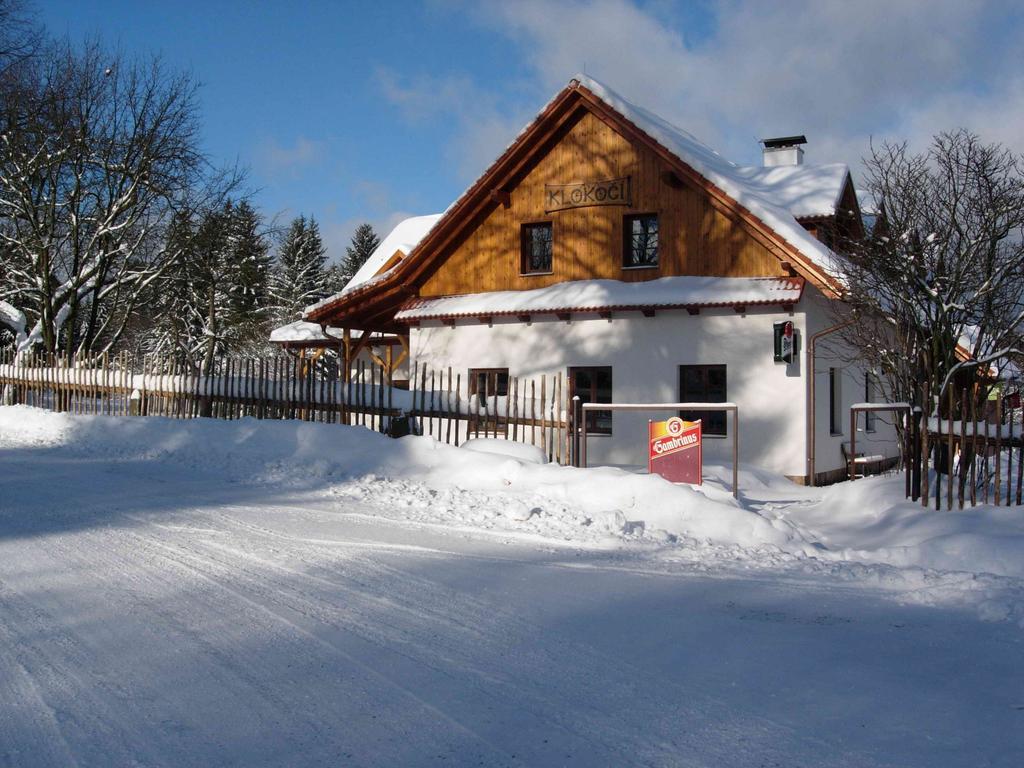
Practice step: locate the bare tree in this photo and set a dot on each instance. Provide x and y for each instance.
(96, 151)
(935, 291)
(20, 35)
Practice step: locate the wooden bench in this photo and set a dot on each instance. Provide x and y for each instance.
(862, 460)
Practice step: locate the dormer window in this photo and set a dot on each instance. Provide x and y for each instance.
(536, 242)
(640, 248)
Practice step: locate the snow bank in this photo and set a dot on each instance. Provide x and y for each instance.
(864, 528)
(529, 454)
(869, 520)
(302, 454)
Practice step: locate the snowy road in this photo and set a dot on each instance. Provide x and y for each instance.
(155, 615)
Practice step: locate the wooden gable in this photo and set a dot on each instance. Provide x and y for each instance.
(475, 245)
(695, 237)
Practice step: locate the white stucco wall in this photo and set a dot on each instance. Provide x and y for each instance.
(645, 355)
(832, 352)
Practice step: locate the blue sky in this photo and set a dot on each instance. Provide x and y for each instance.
(372, 111)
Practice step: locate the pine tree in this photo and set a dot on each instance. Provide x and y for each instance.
(249, 265)
(334, 279)
(175, 327)
(214, 299)
(299, 277)
(364, 243)
(211, 278)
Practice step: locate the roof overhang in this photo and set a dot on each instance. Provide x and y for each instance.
(603, 297)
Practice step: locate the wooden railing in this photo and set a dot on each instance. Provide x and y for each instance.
(969, 455)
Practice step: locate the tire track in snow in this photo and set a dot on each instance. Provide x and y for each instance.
(602, 728)
(211, 591)
(26, 711)
(520, 674)
(80, 708)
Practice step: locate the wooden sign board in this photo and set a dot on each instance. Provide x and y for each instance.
(675, 451)
(582, 194)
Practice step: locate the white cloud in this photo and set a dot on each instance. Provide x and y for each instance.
(482, 126)
(839, 72)
(277, 158)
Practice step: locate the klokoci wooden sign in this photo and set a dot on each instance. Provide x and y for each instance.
(582, 194)
(675, 451)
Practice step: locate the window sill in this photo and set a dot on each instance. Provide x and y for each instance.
(535, 274)
(640, 266)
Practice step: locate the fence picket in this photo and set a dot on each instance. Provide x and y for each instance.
(1009, 460)
(999, 448)
(949, 454)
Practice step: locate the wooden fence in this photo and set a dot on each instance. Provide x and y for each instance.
(438, 402)
(951, 462)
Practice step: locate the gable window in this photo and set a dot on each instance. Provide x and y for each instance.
(704, 384)
(835, 401)
(594, 385)
(641, 240)
(488, 382)
(535, 245)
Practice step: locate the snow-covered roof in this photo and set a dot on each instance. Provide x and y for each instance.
(404, 237)
(751, 190)
(806, 191)
(775, 196)
(596, 295)
(300, 330)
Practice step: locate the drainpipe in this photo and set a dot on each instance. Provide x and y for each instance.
(811, 410)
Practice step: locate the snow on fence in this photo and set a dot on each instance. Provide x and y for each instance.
(437, 403)
(962, 453)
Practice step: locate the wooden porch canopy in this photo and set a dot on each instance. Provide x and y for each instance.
(303, 337)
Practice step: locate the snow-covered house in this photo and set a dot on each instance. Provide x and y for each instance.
(610, 246)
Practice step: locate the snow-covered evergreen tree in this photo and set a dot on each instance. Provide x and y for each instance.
(364, 242)
(249, 264)
(299, 278)
(214, 299)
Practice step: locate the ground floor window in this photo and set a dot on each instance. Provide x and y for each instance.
(593, 384)
(704, 384)
(835, 401)
(488, 382)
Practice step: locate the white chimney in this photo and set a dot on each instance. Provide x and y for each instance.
(785, 150)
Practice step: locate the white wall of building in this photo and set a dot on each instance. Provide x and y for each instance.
(645, 354)
(831, 352)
